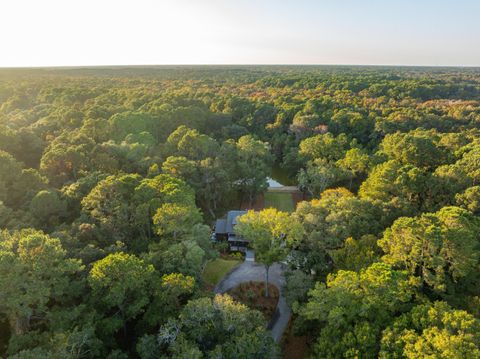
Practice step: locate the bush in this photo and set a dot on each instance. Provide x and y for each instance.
(222, 247)
(237, 255)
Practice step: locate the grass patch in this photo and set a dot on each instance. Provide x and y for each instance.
(215, 270)
(279, 200)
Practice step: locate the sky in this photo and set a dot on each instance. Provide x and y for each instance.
(156, 32)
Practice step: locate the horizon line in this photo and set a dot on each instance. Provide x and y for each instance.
(230, 65)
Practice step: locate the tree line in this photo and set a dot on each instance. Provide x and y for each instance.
(110, 180)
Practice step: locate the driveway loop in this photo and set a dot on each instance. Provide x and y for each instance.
(251, 271)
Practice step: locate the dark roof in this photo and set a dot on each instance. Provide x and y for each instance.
(223, 226)
(232, 219)
(234, 238)
(220, 226)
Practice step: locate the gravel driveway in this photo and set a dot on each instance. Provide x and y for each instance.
(251, 271)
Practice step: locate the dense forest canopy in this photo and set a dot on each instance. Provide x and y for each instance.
(111, 178)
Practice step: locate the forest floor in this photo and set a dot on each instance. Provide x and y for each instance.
(294, 346)
(252, 294)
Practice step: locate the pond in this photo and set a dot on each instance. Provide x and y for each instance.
(280, 178)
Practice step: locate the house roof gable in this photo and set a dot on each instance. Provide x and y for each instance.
(232, 219)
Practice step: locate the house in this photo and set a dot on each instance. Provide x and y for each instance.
(225, 231)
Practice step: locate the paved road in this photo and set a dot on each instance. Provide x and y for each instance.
(251, 271)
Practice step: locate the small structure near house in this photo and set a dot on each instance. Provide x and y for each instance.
(225, 231)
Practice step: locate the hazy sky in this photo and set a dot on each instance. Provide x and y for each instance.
(101, 32)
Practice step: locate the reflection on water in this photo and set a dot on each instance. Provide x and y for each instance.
(274, 184)
(280, 176)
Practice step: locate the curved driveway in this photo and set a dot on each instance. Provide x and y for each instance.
(251, 271)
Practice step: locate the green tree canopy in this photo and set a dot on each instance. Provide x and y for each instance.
(270, 233)
(121, 289)
(442, 248)
(215, 328)
(433, 330)
(470, 199)
(324, 146)
(353, 308)
(415, 148)
(34, 273)
(123, 206)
